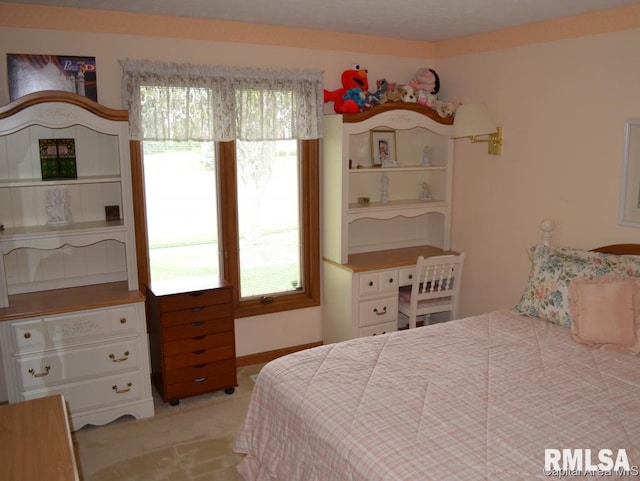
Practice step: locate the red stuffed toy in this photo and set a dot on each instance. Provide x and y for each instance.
(354, 84)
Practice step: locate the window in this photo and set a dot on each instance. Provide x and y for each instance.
(246, 207)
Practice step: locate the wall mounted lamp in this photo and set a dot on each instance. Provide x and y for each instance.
(472, 120)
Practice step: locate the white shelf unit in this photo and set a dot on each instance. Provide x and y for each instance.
(369, 248)
(405, 220)
(91, 250)
(72, 320)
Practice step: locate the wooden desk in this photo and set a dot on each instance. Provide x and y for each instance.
(35, 441)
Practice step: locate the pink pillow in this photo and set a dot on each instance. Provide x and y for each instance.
(606, 312)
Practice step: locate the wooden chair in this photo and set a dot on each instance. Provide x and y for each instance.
(435, 288)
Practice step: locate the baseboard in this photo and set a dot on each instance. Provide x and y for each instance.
(261, 357)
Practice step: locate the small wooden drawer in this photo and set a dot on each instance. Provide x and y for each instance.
(197, 328)
(378, 311)
(190, 300)
(198, 343)
(223, 379)
(199, 357)
(197, 371)
(195, 314)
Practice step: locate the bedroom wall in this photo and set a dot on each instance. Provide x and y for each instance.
(563, 106)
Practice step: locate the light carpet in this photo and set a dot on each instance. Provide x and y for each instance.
(188, 442)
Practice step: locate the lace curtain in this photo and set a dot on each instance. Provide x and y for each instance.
(170, 101)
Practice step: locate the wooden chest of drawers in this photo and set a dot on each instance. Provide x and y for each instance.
(192, 340)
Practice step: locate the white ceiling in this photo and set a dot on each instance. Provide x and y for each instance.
(428, 20)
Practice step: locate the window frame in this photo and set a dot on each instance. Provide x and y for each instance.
(228, 228)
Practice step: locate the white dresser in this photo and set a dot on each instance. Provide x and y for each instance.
(72, 320)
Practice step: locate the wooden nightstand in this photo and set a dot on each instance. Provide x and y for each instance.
(192, 339)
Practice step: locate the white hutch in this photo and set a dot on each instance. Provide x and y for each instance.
(377, 219)
(72, 320)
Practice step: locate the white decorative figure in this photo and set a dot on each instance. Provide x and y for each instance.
(58, 207)
(425, 194)
(384, 191)
(426, 156)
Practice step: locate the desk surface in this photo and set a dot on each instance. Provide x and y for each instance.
(388, 259)
(35, 442)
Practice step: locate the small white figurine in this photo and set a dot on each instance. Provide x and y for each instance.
(425, 194)
(384, 190)
(426, 156)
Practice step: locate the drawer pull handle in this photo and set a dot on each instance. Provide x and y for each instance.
(27, 335)
(410, 276)
(122, 391)
(197, 309)
(200, 366)
(197, 324)
(200, 379)
(199, 352)
(198, 338)
(40, 374)
(123, 320)
(196, 294)
(370, 283)
(120, 359)
(390, 280)
(382, 312)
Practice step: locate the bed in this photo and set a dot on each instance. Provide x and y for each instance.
(492, 397)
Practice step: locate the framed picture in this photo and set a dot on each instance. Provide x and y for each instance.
(33, 73)
(383, 147)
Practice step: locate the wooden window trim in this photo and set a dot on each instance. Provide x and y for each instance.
(310, 184)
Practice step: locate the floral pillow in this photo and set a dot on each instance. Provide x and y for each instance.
(546, 295)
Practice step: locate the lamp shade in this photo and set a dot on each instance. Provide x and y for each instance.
(472, 119)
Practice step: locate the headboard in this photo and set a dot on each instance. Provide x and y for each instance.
(547, 227)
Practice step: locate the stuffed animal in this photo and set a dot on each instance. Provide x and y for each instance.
(446, 109)
(426, 79)
(425, 98)
(343, 100)
(409, 95)
(394, 95)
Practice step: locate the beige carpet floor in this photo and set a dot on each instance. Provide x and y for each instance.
(188, 442)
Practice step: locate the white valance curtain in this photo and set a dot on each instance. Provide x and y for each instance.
(171, 101)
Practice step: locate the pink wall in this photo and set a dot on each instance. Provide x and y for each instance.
(561, 89)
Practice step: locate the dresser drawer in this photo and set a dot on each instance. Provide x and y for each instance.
(58, 367)
(225, 378)
(197, 328)
(195, 314)
(177, 302)
(378, 311)
(105, 391)
(405, 276)
(199, 371)
(378, 329)
(125, 319)
(377, 281)
(202, 356)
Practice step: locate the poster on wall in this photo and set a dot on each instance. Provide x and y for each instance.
(33, 73)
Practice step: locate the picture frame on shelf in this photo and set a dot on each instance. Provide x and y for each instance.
(383, 147)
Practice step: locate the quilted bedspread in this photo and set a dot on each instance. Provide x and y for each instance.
(476, 399)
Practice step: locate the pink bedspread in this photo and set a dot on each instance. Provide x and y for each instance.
(476, 399)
